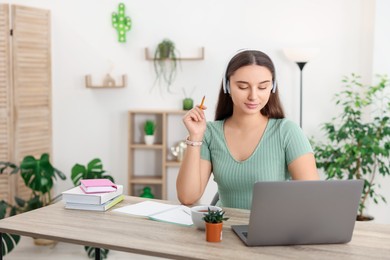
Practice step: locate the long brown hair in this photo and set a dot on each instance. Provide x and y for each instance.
(273, 109)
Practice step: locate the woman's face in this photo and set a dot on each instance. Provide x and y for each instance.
(250, 88)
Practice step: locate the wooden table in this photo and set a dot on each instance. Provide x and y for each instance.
(122, 232)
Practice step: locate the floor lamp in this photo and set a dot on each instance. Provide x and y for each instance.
(300, 57)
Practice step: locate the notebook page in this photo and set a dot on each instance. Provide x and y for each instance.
(145, 208)
(179, 215)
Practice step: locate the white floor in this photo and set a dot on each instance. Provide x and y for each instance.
(27, 250)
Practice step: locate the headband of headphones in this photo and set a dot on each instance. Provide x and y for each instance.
(225, 80)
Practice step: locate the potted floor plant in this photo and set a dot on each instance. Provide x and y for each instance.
(93, 170)
(165, 62)
(39, 176)
(357, 141)
(214, 224)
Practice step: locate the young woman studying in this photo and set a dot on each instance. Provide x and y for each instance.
(250, 139)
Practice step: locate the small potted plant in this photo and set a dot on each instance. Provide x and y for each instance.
(214, 223)
(188, 102)
(149, 129)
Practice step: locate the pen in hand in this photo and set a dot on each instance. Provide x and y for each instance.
(201, 104)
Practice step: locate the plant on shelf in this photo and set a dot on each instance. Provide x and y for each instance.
(165, 62)
(93, 170)
(149, 130)
(188, 102)
(214, 223)
(39, 176)
(358, 142)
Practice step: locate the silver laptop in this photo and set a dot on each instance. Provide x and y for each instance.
(301, 212)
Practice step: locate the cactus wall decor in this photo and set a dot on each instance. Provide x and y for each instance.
(121, 22)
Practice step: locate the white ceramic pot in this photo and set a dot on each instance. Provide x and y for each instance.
(149, 139)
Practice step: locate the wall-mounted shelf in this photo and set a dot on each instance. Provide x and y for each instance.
(108, 82)
(201, 57)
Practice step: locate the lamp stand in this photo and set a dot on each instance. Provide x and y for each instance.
(300, 65)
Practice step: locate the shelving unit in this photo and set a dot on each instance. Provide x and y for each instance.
(148, 164)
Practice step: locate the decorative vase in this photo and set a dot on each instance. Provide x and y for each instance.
(188, 103)
(214, 232)
(149, 139)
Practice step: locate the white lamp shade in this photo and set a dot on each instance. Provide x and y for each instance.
(300, 54)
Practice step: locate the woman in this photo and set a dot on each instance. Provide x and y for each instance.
(249, 141)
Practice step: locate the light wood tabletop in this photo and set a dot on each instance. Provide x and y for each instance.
(118, 231)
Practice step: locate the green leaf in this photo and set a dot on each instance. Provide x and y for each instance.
(9, 242)
(94, 170)
(91, 252)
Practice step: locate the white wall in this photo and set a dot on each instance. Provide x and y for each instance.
(381, 65)
(91, 123)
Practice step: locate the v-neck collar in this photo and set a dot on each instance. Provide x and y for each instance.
(257, 146)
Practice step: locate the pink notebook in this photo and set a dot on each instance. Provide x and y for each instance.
(97, 185)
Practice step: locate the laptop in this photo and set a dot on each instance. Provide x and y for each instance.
(301, 213)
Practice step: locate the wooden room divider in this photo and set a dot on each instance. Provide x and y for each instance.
(25, 90)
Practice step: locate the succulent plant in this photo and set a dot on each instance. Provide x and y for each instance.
(214, 216)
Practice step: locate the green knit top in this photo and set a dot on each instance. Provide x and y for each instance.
(281, 143)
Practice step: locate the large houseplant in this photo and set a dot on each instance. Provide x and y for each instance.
(165, 62)
(93, 170)
(358, 139)
(38, 175)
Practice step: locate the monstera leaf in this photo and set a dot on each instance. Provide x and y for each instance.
(39, 174)
(94, 170)
(91, 252)
(8, 241)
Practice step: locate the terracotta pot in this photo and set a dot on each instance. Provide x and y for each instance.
(214, 232)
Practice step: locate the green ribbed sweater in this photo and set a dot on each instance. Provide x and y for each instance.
(282, 142)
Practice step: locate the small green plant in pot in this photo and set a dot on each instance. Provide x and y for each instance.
(214, 224)
(165, 63)
(149, 130)
(358, 143)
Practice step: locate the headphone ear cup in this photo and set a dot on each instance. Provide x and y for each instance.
(227, 87)
(274, 86)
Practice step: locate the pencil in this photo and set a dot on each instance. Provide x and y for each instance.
(201, 104)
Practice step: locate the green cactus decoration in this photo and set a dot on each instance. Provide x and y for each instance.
(121, 22)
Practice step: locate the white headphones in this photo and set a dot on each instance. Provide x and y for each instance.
(225, 81)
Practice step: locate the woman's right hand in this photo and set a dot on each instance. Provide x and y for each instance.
(195, 122)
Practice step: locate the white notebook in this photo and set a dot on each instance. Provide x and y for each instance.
(177, 214)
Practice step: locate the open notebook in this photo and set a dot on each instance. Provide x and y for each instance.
(177, 214)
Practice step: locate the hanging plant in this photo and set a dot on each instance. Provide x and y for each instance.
(165, 62)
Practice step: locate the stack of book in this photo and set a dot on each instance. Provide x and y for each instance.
(93, 194)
